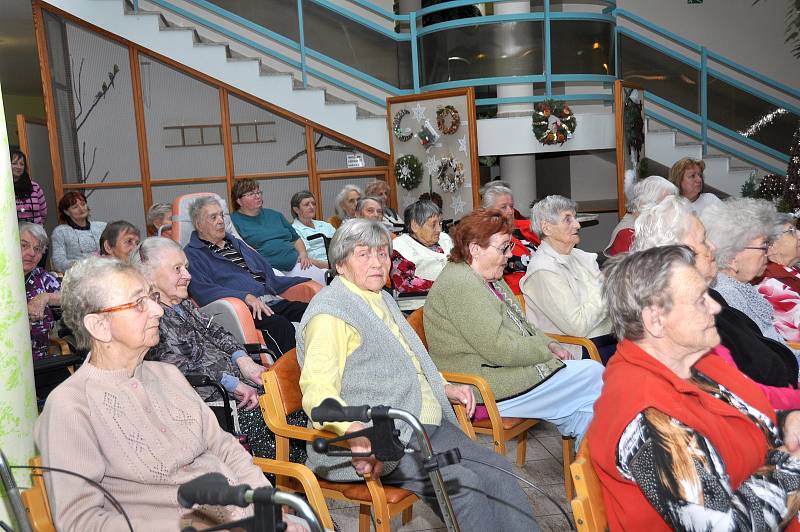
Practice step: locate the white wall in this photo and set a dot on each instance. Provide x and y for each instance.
(751, 35)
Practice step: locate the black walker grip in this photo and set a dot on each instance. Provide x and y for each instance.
(330, 410)
(213, 489)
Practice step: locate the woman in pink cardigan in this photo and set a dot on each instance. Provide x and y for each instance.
(137, 428)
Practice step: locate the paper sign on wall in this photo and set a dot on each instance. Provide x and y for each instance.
(355, 160)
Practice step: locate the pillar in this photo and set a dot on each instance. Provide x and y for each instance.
(519, 171)
(17, 391)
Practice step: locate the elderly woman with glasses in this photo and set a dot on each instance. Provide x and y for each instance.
(741, 230)
(136, 428)
(563, 284)
(346, 201)
(644, 193)
(769, 363)
(355, 346)
(682, 440)
(195, 345)
(780, 282)
(269, 233)
(42, 289)
(380, 189)
(420, 253)
(474, 325)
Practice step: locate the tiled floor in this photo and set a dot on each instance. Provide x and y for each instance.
(542, 467)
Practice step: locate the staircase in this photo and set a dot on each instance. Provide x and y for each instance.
(723, 172)
(151, 30)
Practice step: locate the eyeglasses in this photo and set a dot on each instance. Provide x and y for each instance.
(505, 249)
(763, 248)
(253, 193)
(138, 304)
(25, 246)
(792, 231)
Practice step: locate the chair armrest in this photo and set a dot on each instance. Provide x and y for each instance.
(794, 345)
(307, 481)
(486, 393)
(463, 419)
(581, 341)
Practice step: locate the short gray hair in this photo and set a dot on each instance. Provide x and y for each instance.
(36, 231)
(548, 210)
(730, 225)
(650, 191)
(634, 281)
(148, 254)
(364, 199)
(357, 232)
(419, 212)
(490, 195)
(495, 183)
(197, 206)
(781, 219)
(84, 290)
(156, 213)
(340, 197)
(663, 224)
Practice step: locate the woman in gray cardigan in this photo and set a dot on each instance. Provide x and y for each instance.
(474, 325)
(354, 345)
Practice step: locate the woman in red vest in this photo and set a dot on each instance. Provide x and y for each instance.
(681, 440)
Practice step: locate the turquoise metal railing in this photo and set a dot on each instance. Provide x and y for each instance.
(704, 114)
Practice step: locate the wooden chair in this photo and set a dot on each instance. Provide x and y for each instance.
(35, 500)
(283, 396)
(37, 505)
(587, 506)
(502, 429)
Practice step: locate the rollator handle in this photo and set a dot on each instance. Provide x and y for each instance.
(331, 410)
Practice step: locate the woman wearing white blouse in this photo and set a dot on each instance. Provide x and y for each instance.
(562, 286)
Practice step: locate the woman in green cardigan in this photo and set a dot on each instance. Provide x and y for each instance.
(474, 325)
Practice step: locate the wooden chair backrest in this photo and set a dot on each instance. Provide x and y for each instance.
(588, 507)
(35, 500)
(415, 319)
(287, 371)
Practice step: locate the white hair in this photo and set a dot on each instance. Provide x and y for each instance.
(663, 224)
(342, 195)
(730, 225)
(650, 191)
(549, 210)
(490, 195)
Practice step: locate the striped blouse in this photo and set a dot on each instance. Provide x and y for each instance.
(32, 208)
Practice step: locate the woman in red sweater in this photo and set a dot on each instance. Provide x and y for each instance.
(681, 440)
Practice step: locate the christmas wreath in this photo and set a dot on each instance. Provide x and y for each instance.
(441, 119)
(553, 122)
(450, 174)
(400, 134)
(408, 172)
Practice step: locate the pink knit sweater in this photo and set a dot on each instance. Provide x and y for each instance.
(140, 437)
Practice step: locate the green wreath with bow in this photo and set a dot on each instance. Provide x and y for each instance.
(553, 122)
(408, 172)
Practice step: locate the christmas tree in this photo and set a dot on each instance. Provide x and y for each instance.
(791, 193)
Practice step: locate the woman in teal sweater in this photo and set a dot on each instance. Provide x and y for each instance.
(474, 325)
(269, 233)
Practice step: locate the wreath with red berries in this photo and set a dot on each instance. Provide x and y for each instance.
(553, 122)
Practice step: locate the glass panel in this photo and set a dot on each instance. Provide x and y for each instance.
(264, 142)
(178, 109)
(582, 47)
(91, 81)
(355, 45)
(336, 36)
(507, 49)
(278, 191)
(659, 73)
(168, 193)
(751, 116)
(331, 187)
(333, 154)
(112, 204)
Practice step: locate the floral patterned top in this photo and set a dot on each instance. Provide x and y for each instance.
(38, 282)
(403, 274)
(784, 298)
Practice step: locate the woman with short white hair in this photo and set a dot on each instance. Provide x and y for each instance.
(345, 203)
(644, 193)
(563, 284)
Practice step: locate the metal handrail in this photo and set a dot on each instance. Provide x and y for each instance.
(610, 14)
